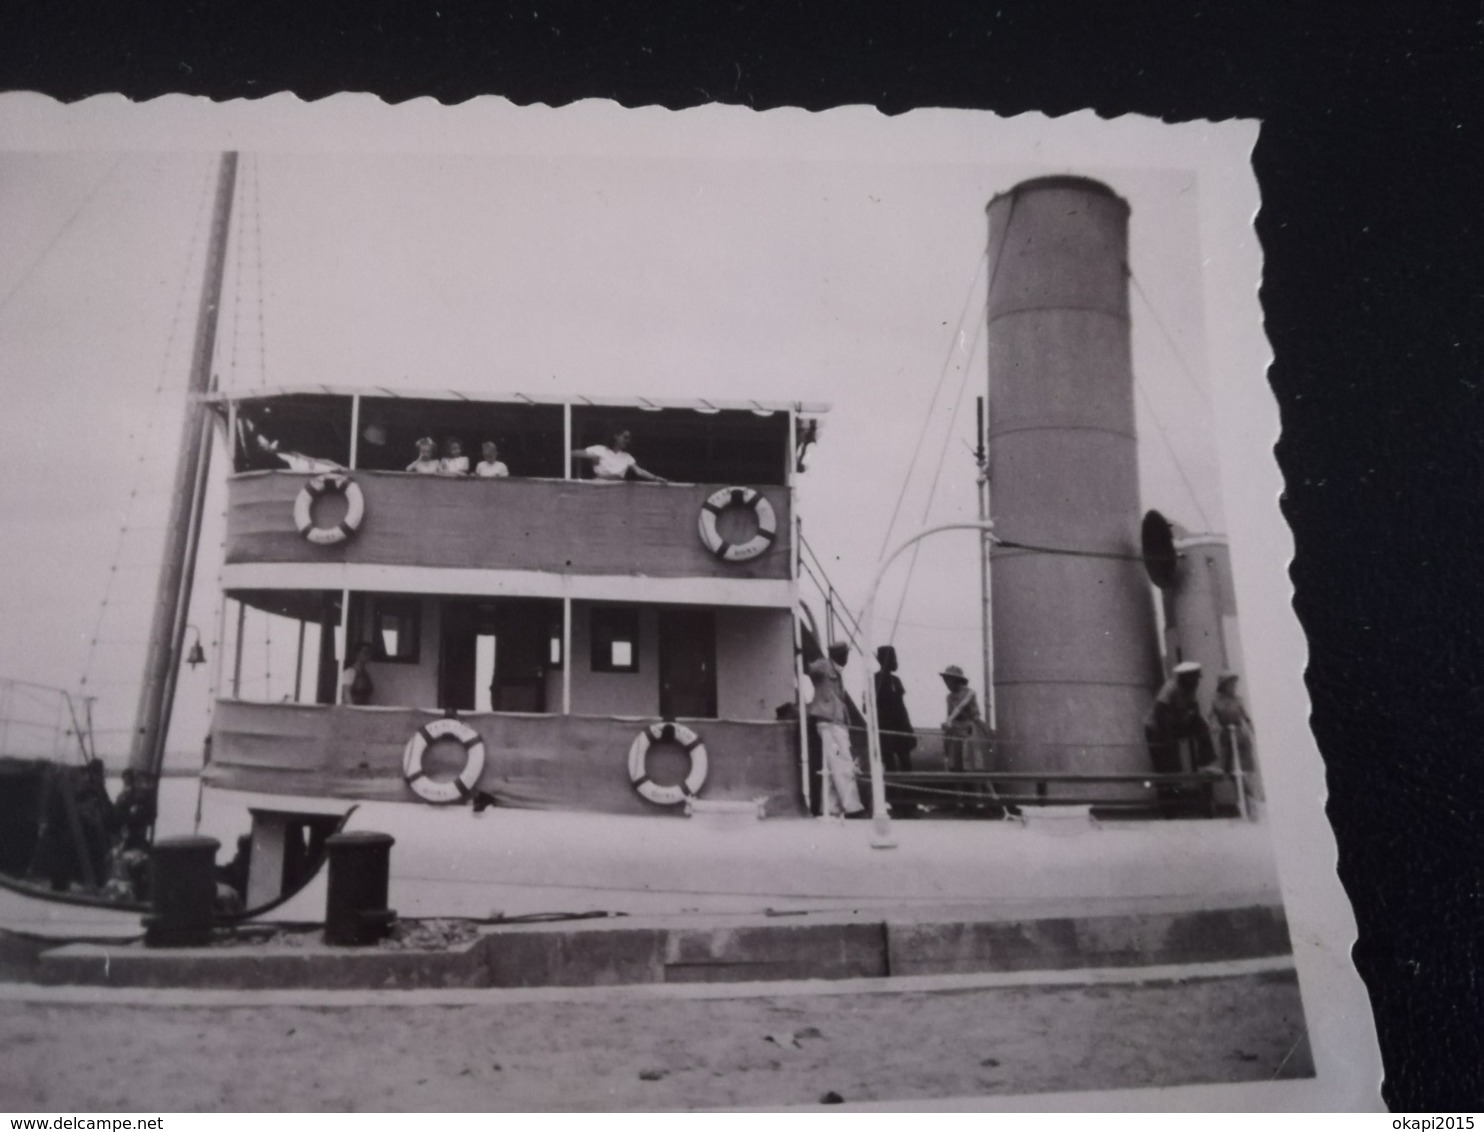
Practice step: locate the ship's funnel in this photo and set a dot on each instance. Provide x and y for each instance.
(1076, 656)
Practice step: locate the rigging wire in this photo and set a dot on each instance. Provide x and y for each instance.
(237, 256)
(1169, 339)
(257, 216)
(927, 418)
(57, 237)
(1170, 448)
(938, 472)
(994, 272)
(153, 418)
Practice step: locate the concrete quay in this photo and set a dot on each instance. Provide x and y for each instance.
(707, 948)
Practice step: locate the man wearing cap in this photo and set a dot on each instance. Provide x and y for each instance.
(1175, 716)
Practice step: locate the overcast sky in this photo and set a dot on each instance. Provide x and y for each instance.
(785, 271)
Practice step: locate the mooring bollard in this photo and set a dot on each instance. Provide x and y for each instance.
(182, 880)
(355, 910)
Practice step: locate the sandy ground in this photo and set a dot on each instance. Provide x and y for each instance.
(650, 1054)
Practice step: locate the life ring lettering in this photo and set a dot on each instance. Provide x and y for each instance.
(355, 509)
(458, 789)
(639, 754)
(767, 524)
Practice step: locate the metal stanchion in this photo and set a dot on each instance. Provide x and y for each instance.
(1239, 776)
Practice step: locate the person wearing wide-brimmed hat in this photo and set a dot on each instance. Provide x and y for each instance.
(1175, 717)
(963, 729)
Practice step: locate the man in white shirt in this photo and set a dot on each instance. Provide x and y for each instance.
(616, 463)
(490, 468)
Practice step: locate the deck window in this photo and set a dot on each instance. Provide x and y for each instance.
(395, 625)
(615, 640)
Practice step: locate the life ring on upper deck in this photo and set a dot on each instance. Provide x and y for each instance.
(458, 789)
(355, 509)
(639, 754)
(767, 524)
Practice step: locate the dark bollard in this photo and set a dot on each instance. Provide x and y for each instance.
(356, 913)
(182, 885)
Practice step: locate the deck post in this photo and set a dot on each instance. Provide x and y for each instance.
(355, 430)
(344, 659)
(567, 653)
(567, 440)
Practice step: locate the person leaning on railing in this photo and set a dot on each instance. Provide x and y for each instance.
(491, 467)
(615, 463)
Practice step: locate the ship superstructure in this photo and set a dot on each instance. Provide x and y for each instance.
(559, 619)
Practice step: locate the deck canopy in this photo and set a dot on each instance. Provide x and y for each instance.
(696, 441)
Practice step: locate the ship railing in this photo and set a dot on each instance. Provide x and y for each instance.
(39, 721)
(1199, 789)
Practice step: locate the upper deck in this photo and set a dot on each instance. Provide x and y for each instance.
(548, 528)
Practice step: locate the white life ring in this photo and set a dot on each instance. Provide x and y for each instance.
(458, 789)
(639, 752)
(355, 509)
(767, 524)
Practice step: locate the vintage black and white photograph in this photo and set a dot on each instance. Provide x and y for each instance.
(598, 609)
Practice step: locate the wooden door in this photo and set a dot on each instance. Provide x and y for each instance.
(687, 663)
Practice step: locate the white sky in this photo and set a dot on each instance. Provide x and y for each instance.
(785, 269)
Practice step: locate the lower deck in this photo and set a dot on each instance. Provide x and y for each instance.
(531, 761)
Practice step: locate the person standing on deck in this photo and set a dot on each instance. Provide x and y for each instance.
(615, 463)
(357, 678)
(491, 467)
(1233, 724)
(1175, 716)
(426, 464)
(832, 721)
(963, 729)
(895, 726)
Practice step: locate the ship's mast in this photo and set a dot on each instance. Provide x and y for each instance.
(182, 532)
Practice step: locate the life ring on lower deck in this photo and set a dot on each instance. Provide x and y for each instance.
(355, 509)
(458, 789)
(639, 753)
(767, 524)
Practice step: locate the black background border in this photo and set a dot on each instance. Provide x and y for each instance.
(1369, 164)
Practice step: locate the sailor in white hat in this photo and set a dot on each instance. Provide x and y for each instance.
(1175, 717)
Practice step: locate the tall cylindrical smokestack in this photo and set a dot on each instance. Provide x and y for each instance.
(1076, 658)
